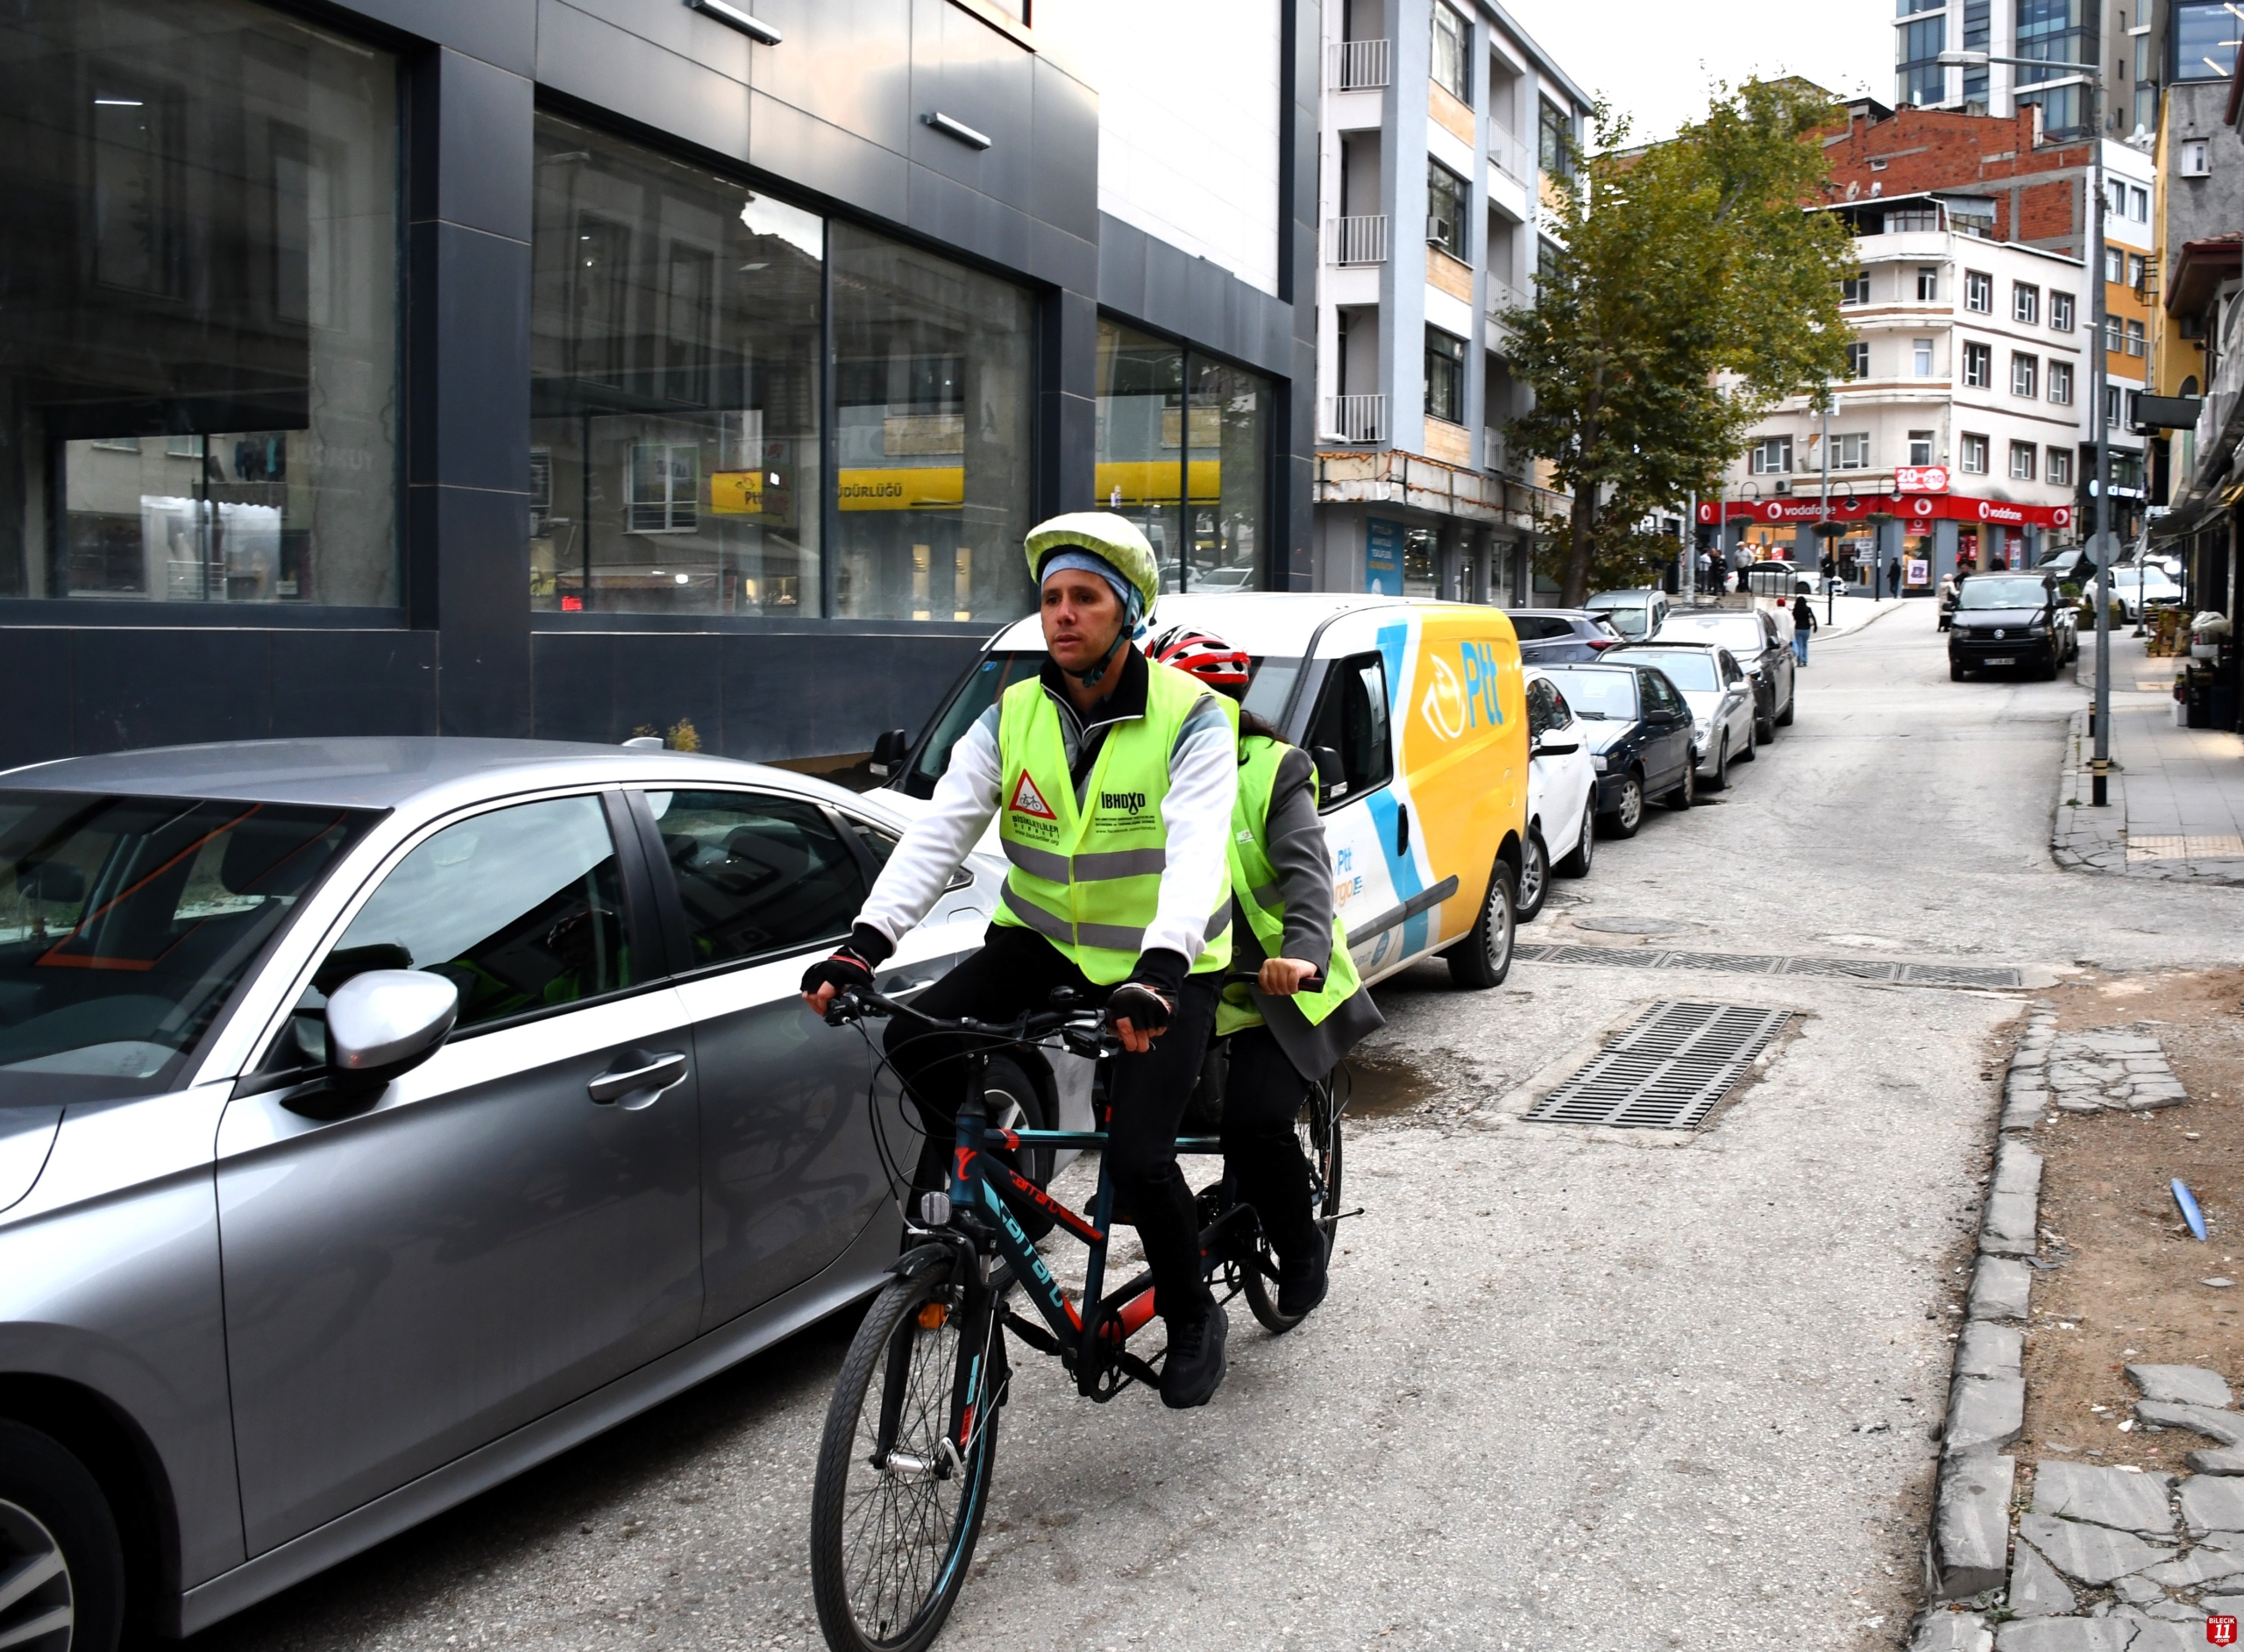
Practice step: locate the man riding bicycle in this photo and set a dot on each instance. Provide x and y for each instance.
(1113, 781)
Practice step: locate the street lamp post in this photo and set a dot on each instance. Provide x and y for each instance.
(2099, 767)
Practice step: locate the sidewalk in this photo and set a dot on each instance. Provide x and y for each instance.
(1852, 613)
(2177, 808)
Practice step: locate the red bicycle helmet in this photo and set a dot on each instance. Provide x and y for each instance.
(1208, 657)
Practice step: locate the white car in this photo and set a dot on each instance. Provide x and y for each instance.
(1561, 794)
(2141, 587)
(1719, 693)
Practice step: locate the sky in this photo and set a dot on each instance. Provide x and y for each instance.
(1656, 59)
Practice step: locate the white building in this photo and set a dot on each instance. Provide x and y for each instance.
(1959, 433)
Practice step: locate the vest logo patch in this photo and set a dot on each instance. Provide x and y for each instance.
(1128, 802)
(1029, 800)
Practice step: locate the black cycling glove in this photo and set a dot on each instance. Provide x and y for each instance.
(1147, 999)
(853, 962)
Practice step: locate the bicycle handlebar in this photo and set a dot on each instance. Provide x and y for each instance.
(1082, 1031)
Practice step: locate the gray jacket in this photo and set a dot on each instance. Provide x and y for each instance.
(1298, 854)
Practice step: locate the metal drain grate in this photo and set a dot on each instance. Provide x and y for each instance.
(1667, 1071)
(1753, 964)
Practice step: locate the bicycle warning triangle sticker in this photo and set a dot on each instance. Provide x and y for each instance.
(1029, 800)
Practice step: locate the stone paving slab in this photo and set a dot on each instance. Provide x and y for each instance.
(1953, 1632)
(2227, 1426)
(2219, 1459)
(2184, 1385)
(2088, 1554)
(1989, 1350)
(2000, 1288)
(2064, 1635)
(2108, 1497)
(2036, 1589)
(2212, 1503)
(1971, 1525)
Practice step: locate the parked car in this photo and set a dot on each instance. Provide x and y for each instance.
(1719, 693)
(1414, 714)
(1777, 577)
(1637, 727)
(2137, 586)
(1764, 652)
(1561, 793)
(1635, 614)
(1555, 636)
(2010, 619)
(380, 1118)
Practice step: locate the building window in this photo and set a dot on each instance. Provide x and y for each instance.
(1919, 77)
(1972, 454)
(2137, 343)
(2055, 32)
(2060, 471)
(1979, 292)
(2061, 383)
(200, 199)
(1858, 360)
(2114, 338)
(2022, 461)
(1906, 220)
(2136, 270)
(1979, 367)
(2025, 303)
(2025, 375)
(1453, 53)
(1446, 195)
(1927, 283)
(2135, 409)
(1975, 20)
(1855, 288)
(1920, 447)
(1850, 452)
(1555, 140)
(2061, 312)
(1444, 376)
(1771, 456)
(2204, 32)
(1920, 357)
(2113, 264)
(1181, 451)
(664, 480)
(2112, 405)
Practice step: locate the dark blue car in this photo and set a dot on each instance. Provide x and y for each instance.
(1637, 727)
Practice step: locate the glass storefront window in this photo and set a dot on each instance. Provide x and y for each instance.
(1188, 466)
(933, 416)
(198, 379)
(674, 388)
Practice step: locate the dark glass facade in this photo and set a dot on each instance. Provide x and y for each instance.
(2056, 32)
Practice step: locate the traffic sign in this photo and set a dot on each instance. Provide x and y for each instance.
(2102, 549)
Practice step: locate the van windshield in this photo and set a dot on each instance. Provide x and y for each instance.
(1983, 592)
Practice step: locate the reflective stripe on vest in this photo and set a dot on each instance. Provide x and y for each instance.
(1088, 877)
(1254, 881)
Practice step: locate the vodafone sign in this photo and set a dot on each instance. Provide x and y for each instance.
(1921, 479)
(1917, 509)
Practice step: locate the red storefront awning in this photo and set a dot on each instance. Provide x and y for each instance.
(1916, 511)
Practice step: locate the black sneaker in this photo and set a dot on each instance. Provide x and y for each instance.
(1195, 1367)
(1303, 1280)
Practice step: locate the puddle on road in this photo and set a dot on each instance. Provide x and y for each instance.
(1384, 1087)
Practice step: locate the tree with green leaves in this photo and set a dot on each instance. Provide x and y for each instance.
(1690, 293)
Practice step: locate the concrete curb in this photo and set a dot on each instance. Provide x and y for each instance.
(1969, 1551)
(2082, 837)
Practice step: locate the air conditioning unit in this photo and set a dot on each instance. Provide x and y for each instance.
(1782, 486)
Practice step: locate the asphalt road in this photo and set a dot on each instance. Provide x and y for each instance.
(1572, 1389)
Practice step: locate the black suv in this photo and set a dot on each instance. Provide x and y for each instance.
(2009, 619)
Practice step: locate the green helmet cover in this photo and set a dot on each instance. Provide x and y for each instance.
(1104, 534)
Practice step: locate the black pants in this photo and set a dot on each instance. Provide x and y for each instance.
(1261, 1101)
(1015, 971)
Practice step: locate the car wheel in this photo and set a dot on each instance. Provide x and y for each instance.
(1765, 730)
(1576, 862)
(1534, 876)
(1686, 793)
(1719, 781)
(1791, 705)
(1627, 814)
(61, 1567)
(1482, 958)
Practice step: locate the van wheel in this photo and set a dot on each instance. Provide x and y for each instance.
(1482, 958)
(1956, 671)
(1534, 876)
(58, 1550)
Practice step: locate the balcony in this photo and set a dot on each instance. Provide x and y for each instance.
(1503, 296)
(1510, 155)
(1356, 66)
(1361, 240)
(1355, 418)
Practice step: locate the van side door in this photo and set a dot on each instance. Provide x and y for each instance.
(1365, 827)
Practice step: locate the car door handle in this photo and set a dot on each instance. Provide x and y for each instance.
(900, 984)
(649, 1079)
(1402, 828)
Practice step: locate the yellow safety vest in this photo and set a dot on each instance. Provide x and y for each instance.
(1254, 881)
(1088, 880)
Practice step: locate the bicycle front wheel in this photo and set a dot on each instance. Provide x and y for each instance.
(897, 1505)
(1318, 1130)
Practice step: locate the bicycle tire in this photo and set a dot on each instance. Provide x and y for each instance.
(1319, 1129)
(916, 1549)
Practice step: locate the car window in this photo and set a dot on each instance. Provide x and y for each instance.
(521, 909)
(1658, 698)
(976, 695)
(759, 874)
(1729, 672)
(125, 924)
(1540, 699)
(1562, 715)
(1351, 721)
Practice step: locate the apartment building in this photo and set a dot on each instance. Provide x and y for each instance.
(2141, 47)
(1441, 122)
(1956, 435)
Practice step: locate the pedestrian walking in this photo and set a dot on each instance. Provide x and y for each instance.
(1803, 622)
(1894, 578)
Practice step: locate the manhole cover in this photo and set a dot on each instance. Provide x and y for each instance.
(1633, 926)
(1668, 1070)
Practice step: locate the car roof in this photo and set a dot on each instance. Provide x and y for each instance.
(1262, 622)
(386, 772)
(1638, 594)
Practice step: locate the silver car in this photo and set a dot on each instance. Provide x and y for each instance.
(1719, 693)
(380, 1118)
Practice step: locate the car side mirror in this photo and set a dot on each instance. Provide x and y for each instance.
(892, 749)
(1565, 750)
(383, 1022)
(1332, 779)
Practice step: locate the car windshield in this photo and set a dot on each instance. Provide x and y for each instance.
(1600, 694)
(1983, 592)
(126, 922)
(1688, 669)
(1740, 633)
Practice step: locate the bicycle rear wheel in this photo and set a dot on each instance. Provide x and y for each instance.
(1318, 1130)
(896, 1508)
